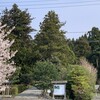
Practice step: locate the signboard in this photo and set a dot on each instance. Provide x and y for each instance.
(59, 89)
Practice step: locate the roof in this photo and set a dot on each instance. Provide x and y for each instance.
(59, 82)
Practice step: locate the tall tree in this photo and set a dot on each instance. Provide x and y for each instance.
(89, 46)
(51, 42)
(94, 42)
(6, 66)
(94, 38)
(21, 20)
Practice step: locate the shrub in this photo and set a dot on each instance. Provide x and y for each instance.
(22, 87)
(44, 73)
(14, 90)
(81, 84)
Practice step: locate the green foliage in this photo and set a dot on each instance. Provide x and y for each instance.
(88, 46)
(82, 47)
(22, 87)
(15, 76)
(23, 41)
(44, 73)
(14, 90)
(26, 78)
(81, 86)
(94, 42)
(94, 38)
(21, 20)
(51, 42)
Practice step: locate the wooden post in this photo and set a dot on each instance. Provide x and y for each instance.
(65, 92)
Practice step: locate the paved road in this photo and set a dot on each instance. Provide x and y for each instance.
(35, 94)
(32, 93)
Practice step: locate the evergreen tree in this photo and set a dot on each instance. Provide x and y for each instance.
(21, 20)
(88, 46)
(82, 48)
(71, 43)
(23, 41)
(94, 42)
(51, 43)
(94, 38)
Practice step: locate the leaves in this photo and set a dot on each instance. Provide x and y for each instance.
(23, 41)
(44, 73)
(81, 85)
(51, 42)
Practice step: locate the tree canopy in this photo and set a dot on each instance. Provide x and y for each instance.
(44, 73)
(51, 42)
(21, 34)
(88, 46)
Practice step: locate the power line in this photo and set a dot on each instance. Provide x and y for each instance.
(28, 1)
(65, 6)
(59, 5)
(52, 3)
(41, 4)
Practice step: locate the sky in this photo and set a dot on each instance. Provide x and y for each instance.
(80, 15)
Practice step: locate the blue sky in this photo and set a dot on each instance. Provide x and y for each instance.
(79, 15)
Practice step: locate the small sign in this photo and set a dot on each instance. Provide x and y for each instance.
(59, 89)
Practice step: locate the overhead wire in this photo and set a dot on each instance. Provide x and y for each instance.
(58, 5)
(47, 1)
(65, 6)
(26, 1)
(41, 4)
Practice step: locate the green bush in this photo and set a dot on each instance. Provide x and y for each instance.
(44, 73)
(29, 86)
(14, 90)
(81, 86)
(22, 87)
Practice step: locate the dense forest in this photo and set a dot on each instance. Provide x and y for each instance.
(88, 46)
(51, 56)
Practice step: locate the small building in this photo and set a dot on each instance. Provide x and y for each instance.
(59, 89)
